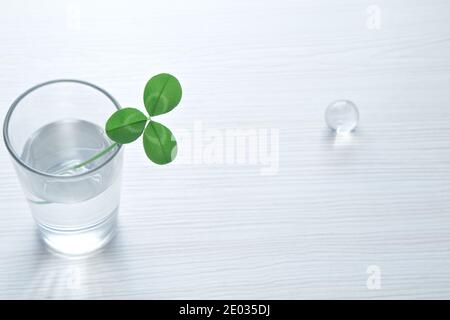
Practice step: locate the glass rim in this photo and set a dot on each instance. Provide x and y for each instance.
(16, 102)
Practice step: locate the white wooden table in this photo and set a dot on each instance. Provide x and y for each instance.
(365, 216)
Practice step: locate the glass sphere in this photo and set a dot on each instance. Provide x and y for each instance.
(342, 116)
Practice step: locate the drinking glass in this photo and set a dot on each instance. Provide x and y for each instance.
(49, 130)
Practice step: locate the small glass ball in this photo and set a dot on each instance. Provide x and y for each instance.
(342, 116)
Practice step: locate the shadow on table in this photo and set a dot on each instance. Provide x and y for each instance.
(49, 276)
(333, 140)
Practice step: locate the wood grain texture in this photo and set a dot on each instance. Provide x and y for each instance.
(337, 206)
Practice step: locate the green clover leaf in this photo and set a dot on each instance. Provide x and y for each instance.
(162, 94)
(159, 143)
(125, 125)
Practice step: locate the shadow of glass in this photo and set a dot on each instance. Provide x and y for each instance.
(46, 275)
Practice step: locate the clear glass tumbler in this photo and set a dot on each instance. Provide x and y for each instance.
(49, 130)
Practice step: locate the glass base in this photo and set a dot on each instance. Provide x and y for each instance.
(80, 242)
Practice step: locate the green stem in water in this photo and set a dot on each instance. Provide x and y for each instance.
(96, 156)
